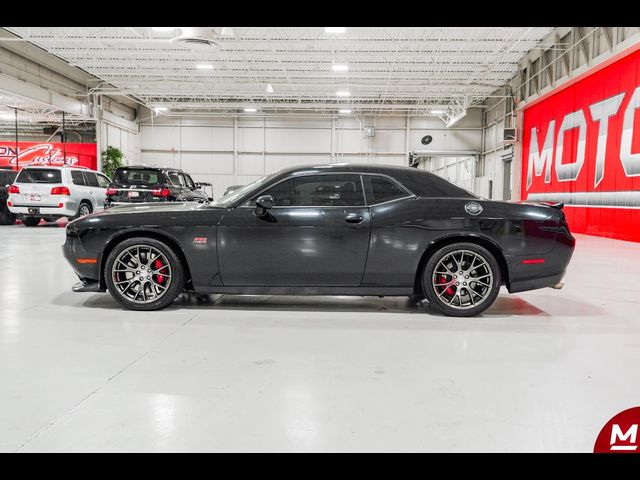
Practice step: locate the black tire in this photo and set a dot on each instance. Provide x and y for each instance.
(176, 270)
(450, 296)
(6, 217)
(84, 209)
(31, 221)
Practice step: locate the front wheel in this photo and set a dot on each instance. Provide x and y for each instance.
(144, 274)
(461, 280)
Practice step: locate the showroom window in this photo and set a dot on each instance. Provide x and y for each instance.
(77, 178)
(318, 191)
(383, 190)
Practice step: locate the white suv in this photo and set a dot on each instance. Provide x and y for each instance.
(54, 192)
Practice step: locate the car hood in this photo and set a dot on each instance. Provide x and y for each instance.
(147, 208)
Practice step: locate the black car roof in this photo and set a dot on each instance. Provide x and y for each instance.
(148, 167)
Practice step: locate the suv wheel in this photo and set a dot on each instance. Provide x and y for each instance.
(461, 280)
(84, 209)
(144, 274)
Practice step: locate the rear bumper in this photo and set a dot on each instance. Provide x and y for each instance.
(530, 272)
(69, 208)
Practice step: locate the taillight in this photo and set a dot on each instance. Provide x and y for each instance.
(14, 189)
(60, 191)
(111, 191)
(161, 192)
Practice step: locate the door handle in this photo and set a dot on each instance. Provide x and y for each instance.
(353, 218)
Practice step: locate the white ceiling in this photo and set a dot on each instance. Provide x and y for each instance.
(390, 69)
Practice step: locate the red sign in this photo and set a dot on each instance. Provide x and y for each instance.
(43, 153)
(620, 434)
(581, 146)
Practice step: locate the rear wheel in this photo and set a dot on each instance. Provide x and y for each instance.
(84, 209)
(7, 218)
(144, 274)
(31, 221)
(461, 280)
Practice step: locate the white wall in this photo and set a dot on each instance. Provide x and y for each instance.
(124, 139)
(228, 151)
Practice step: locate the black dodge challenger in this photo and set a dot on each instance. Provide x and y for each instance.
(341, 229)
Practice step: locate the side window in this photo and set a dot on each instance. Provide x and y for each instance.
(90, 179)
(318, 191)
(382, 190)
(190, 182)
(183, 182)
(103, 182)
(175, 179)
(77, 178)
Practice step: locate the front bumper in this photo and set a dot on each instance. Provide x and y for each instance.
(85, 264)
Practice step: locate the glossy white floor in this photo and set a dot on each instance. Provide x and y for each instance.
(540, 371)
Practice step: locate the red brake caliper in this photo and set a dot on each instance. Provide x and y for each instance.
(158, 265)
(449, 289)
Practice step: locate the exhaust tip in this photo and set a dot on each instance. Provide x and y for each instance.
(559, 285)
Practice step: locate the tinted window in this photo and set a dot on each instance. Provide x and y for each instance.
(91, 179)
(138, 176)
(176, 178)
(427, 184)
(383, 190)
(190, 182)
(103, 182)
(77, 178)
(40, 175)
(318, 190)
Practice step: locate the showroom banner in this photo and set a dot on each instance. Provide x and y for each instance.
(581, 146)
(44, 153)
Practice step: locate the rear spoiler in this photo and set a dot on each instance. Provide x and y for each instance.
(557, 205)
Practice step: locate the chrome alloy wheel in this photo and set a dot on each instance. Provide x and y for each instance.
(462, 279)
(84, 210)
(142, 274)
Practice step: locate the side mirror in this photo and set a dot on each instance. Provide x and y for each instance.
(263, 204)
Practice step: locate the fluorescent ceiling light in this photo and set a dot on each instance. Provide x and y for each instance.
(345, 110)
(269, 88)
(337, 67)
(437, 112)
(335, 29)
(250, 110)
(7, 116)
(163, 29)
(456, 119)
(343, 93)
(204, 66)
(160, 109)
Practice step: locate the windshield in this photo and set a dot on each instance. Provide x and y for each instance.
(39, 175)
(229, 199)
(138, 176)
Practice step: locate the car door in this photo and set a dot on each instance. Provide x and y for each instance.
(317, 234)
(93, 189)
(101, 190)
